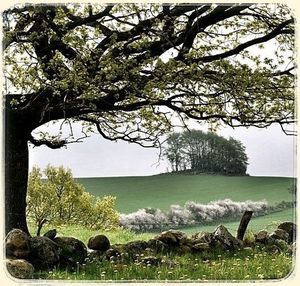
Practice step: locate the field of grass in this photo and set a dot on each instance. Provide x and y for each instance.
(268, 222)
(161, 191)
(244, 265)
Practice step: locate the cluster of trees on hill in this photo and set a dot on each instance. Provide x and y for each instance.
(202, 152)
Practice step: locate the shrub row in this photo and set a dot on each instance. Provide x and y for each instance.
(189, 214)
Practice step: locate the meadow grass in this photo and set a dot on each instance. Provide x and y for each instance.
(268, 222)
(161, 191)
(247, 264)
(115, 236)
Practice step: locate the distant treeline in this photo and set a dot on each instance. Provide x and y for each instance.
(198, 152)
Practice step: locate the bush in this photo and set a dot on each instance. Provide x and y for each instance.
(144, 220)
(60, 199)
(189, 214)
(249, 238)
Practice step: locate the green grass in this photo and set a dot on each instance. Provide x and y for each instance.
(245, 265)
(250, 264)
(161, 191)
(268, 222)
(115, 236)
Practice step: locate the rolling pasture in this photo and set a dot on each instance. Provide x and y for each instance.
(161, 191)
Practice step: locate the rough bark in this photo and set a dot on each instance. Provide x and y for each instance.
(16, 171)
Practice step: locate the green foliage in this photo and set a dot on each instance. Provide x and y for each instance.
(116, 66)
(249, 238)
(66, 190)
(104, 215)
(200, 152)
(41, 200)
(59, 199)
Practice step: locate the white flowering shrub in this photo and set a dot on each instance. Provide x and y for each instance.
(189, 214)
(223, 209)
(178, 216)
(144, 220)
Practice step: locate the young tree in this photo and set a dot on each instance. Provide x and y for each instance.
(41, 200)
(67, 192)
(127, 69)
(59, 199)
(105, 216)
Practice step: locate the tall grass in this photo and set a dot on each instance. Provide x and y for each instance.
(242, 265)
(118, 235)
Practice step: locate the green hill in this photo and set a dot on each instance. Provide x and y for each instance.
(161, 191)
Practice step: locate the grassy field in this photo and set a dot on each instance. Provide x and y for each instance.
(245, 265)
(268, 222)
(161, 191)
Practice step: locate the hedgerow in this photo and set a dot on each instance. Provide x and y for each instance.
(189, 214)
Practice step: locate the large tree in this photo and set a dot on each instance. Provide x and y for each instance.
(129, 69)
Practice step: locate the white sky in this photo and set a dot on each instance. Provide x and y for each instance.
(270, 152)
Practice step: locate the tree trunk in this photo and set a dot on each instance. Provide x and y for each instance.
(40, 226)
(16, 171)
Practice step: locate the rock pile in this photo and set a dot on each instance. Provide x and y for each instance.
(24, 253)
(281, 239)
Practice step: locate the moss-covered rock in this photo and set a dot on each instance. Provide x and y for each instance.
(45, 253)
(17, 244)
(19, 268)
(73, 251)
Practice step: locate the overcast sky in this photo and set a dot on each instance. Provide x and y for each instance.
(270, 153)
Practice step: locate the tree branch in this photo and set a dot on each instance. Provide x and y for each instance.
(55, 144)
(277, 31)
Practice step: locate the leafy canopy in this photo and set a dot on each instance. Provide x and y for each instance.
(59, 199)
(130, 69)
